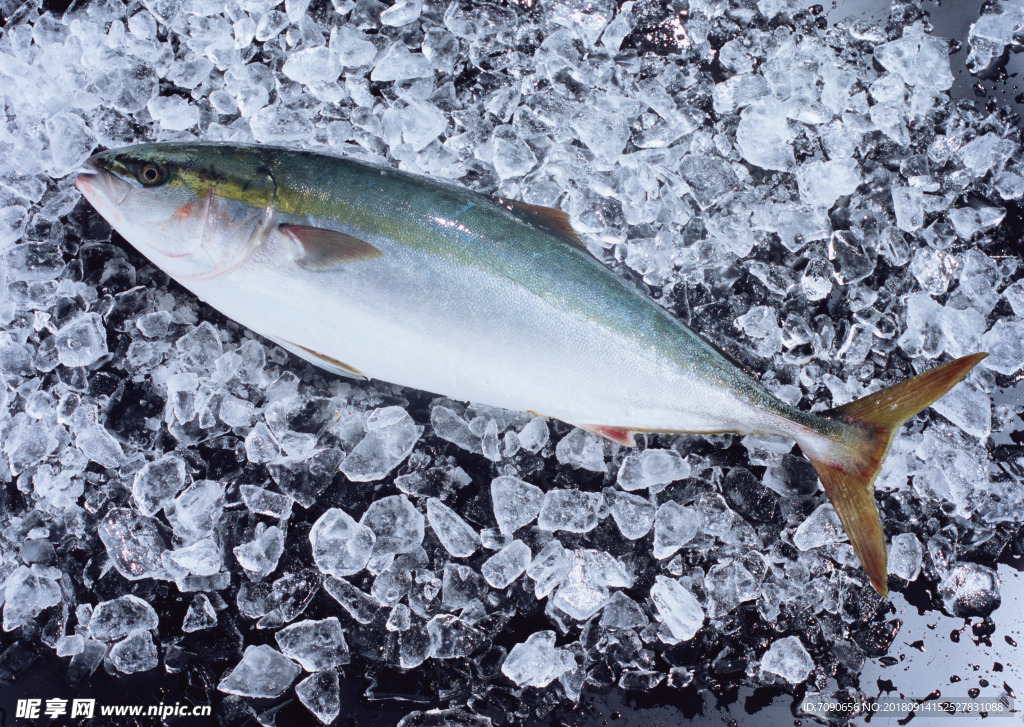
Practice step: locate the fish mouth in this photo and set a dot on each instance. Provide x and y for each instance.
(95, 182)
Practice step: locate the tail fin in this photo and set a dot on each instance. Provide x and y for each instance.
(849, 465)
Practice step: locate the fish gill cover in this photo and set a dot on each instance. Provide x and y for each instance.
(180, 496)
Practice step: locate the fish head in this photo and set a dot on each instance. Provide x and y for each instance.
(196, 210)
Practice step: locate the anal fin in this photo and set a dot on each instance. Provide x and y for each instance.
(619, 435)
(318, 359)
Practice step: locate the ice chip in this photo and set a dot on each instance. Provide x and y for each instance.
(633, 514)
(677, 608)
(320, 693)
(502, 568)
(536, 662)
(82, 342)
(263, 673)
(396, 523)
(136, 653)
(341, 546)
(970, 589)
(157, 482)
(114, 619)
(822, 527)
(570, 510)
(1004, 342)
(455, 534)
(516, 503)
(360, 605)
(71, 142)
(259, 556)
(822, 183)
(764, 136)
(318, 64)
(451, 637)
(788, 659)
(261, 446)
(200, 615)
(27, 593)
(134, 544)
(674, 527)
(401, 13)
(534, 435)
(202, 558)
(398, 64)
(274, 124)
(316, 645)
(652, 468)
(905, 556)
(391, 435)
(549, 568)
(581, 450)
(173, 113)
(450, 426)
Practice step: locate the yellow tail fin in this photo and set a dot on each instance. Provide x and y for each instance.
(848, 467)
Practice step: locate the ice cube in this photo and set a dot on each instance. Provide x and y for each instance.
(263, 673)
(505, 566)
(516, 503)
(134, 544)
(677, 608)
(320, 693)
(652, 468)
(134, 654)
(674, 527)
(259, 556)
(82, 342)
(396, 523)
(570, 510)
(390, 437)
(200, 615)
(633, 514)
(341, 546)
(536, 662)
(158, 482)
(822, 527)
(27, 593)
(316, 645)
(455, 534)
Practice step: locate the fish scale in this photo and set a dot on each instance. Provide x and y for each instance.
(373, 272)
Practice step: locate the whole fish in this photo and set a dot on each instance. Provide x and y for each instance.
(372, 272)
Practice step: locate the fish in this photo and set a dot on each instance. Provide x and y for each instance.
(369, 271)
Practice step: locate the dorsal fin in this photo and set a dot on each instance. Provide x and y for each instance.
(323, 249)
(549, 218)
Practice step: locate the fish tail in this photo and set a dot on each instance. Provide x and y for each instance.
(848, 459)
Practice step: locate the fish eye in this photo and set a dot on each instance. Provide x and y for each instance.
(150, 174)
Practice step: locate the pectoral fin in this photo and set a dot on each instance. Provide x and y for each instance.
(322, 249)
(318, 359)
